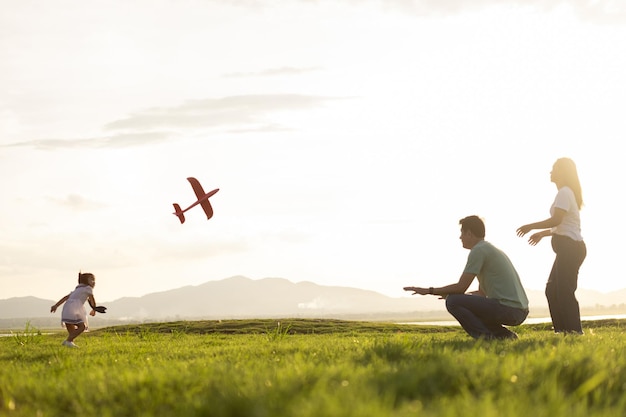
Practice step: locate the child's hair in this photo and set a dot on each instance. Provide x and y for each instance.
(83, 277)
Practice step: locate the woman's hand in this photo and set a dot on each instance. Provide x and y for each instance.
(523, 230)
(536, 237)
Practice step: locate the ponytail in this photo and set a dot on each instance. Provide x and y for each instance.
(83, 278)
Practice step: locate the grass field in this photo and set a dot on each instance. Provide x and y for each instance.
(313, 368)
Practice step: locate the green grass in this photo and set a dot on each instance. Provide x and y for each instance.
(314, 368)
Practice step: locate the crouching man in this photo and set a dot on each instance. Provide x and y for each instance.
(500, 299)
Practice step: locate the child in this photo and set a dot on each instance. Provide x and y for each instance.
(74, 315)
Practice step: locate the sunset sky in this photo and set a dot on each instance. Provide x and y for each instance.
(347, 139)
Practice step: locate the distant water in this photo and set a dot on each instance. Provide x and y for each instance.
(530, 320)
(21, 333)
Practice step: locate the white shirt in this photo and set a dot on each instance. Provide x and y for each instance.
(570, 225)
(74, 308)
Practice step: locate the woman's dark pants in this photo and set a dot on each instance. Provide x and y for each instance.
(563, 282)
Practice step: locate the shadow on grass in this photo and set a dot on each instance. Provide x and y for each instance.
(261, 326)
(315, 326)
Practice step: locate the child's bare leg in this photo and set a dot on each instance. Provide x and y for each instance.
(74, 330)
(70, 328)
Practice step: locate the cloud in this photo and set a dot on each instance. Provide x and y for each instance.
(243, 110)
(261, 129)
(235, 114)
(599, 11)
(77, 202)
(112, 141)
(188, 251)
(272, 72)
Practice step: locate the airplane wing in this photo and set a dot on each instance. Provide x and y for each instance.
(203, 198)
(208, 210)
(197, 188)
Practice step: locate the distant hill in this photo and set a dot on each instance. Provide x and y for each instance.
(240, 297)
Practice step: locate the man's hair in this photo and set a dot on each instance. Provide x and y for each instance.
(474, 224)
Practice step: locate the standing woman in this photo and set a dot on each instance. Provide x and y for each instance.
(567, 243)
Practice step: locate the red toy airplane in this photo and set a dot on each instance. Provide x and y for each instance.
(203, 200)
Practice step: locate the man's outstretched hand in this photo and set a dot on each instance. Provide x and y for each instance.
(417, 290)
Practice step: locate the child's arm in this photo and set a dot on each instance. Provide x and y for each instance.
(61, 301)
(92, 304)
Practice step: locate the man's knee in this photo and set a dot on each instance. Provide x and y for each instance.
(452, 301)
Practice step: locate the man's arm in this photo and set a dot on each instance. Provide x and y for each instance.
(457, 288)
(479, 292)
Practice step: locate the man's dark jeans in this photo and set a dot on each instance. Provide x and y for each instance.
(483, 317)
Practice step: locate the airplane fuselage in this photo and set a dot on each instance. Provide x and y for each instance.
(203, 200)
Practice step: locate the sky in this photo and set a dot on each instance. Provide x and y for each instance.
(347, 139)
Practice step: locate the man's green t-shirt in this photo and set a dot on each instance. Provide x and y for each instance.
(496, 275)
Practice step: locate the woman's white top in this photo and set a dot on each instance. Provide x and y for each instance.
(570, 226)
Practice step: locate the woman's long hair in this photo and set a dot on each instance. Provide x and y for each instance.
(569, 174)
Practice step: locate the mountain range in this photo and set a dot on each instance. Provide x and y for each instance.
(240, 297)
